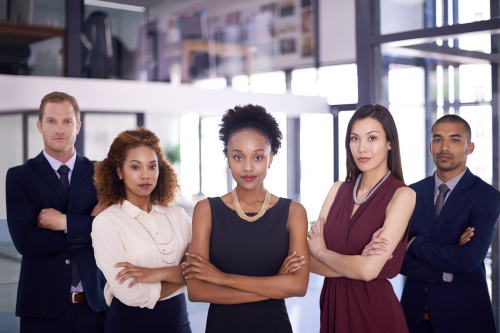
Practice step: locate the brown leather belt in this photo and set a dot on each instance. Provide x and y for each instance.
(426, 316)
(77, 298)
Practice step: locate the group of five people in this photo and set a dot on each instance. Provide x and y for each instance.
(104, 248)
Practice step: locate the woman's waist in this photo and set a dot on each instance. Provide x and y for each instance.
(260, 306)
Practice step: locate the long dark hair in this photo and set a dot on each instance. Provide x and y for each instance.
(383, 115)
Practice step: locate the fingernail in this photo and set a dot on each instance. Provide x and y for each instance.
(379, 252)
(294, 252)
(302, 256)
(303, 262)
(385, 248)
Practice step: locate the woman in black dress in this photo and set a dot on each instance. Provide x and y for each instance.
(249, 247)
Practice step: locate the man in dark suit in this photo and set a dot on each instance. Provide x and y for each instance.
(451, 230)
(51, 203)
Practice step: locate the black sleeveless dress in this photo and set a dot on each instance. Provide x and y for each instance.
(253, 249)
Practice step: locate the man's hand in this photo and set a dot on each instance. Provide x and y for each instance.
(466, 236)
(52, 219)
(97, 209)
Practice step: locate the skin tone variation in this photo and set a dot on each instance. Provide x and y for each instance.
(140, 172)
(449, 148)
(370, 148)
(59, 128)
(249, 157)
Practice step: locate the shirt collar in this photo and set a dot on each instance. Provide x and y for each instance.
(452, 183)
(56, 164)
(133, 210)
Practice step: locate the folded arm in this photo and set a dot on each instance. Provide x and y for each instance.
(22, 218)
(278, 286)
(418, 270)
(361, 267)
(109, 250)
(456, 258)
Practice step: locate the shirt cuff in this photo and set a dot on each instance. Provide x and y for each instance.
(409, 243)
(447, 277)
(154, 296)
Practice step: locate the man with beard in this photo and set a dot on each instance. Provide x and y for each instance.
(51, 204)
(451, 230)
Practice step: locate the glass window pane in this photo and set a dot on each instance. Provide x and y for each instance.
(190, 158)
(270, 83)
(398, 16)
(339, 84)
(344, 118)
(276, 179)
(212, 84)
(480, 162)
(316, 161)
(305, 82)
(101, 130)
(474, 83)
(240, 83)
(11, 150)
(213, 163)
(35, 139)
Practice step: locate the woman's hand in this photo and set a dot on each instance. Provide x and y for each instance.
(468, 233)
(377, 245)
(316, 238)
(141, 274)
(291, 264)
(200, 268)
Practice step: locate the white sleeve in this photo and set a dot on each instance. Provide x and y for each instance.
(109, 250)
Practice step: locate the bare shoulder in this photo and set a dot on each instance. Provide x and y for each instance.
(202, 211)
(296, 208)
(405, 193)
(333, 190)
(402, 201)
(297, 215)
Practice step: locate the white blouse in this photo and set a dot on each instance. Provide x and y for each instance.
(125, 233)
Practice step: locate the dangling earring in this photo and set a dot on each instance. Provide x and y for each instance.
(269, 167)
(120, 177)
(229, 167)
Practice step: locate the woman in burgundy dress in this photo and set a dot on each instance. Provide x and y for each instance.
(373, 206)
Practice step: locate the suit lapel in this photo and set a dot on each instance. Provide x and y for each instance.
(76, 181)
(429, 203)
(45, 170)
(462, 187)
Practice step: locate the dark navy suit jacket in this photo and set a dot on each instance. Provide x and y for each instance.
(462, 305)
(45, 279)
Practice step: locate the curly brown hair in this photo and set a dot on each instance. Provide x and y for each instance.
(111, 190)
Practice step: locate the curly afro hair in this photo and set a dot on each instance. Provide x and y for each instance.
(111, 190)
(250, 117)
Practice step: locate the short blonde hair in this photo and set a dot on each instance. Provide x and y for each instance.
(59, 97)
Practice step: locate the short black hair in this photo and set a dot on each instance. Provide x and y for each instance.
(453, 118)
(250, 117)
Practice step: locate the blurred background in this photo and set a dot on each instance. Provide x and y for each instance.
(175, 66)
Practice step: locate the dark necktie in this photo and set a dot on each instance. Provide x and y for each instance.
(64, 171)
(443, 191)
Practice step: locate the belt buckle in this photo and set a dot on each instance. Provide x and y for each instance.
(73, 297)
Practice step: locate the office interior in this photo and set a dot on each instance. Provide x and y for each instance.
(175, 66)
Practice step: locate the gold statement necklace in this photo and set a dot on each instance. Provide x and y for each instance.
(242, 214)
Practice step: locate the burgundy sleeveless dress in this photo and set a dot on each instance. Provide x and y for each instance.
(349, 305)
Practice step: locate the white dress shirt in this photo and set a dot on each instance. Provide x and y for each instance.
(125, 233)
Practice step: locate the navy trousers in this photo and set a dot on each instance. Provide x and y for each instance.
(425, 327)
(168, 316)
(77, 318)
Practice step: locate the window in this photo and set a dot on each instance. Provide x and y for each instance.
(339, 84)
(190, 158)
(316, 161)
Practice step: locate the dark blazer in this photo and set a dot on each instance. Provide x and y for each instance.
(462, 305)
(45, 279)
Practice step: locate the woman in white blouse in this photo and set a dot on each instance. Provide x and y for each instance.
(140, 240)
